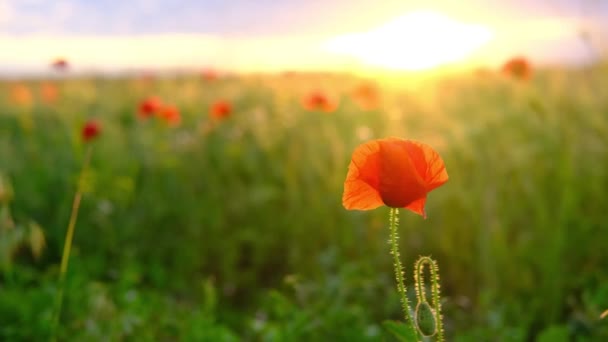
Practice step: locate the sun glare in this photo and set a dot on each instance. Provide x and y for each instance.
(416, 41)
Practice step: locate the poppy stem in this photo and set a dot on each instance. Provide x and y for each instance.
(67, 246)
(399, 275)
(437, 319)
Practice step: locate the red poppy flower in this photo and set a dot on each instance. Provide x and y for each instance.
(395, 172)
(60, 64)
(171, 115)
(49, 92)
(220, 110)
(209, 74)
(367, 96)
(518, 67)
(150, 106)
(90, 130)
(21, 94)
(318, 101)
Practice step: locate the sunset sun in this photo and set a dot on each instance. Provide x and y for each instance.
(418, 40)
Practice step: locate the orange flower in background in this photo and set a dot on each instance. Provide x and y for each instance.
(289, 74)
(171, 115)
(518, 67)
(21, 95)
(90, 130)
(149, 107)
(367, 96)
(60, 64)
(394, 172)
(209, 74)
(143, 80)
(220, 110)
(482, 72)
(318, 101)
(147, 76)
(49, 92)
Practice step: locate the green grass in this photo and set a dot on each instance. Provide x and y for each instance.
(239, 233)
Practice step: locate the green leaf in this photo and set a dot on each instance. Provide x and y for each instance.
(402, 332)
(6, 191)
(37, 240)
(554, 333)
(210, 297)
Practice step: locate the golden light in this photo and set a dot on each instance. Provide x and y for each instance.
(419, 40)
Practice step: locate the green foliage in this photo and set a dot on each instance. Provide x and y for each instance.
(519, 229)
(16, 237)
(401, 331)
(554, 334)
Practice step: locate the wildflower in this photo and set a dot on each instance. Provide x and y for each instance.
(518, 67)
(220, 110)
(21, 95)
(149, 107)
(366, 96)
(60, 64)
(318, 101)
(395, 172)
(49, 92)
(147, 76)
(209, 74)
(90, 130)
(171, 115)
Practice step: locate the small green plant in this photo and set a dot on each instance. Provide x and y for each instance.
(15, 236)
(90, 130)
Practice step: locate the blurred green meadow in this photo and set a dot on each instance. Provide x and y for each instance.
(234, 230)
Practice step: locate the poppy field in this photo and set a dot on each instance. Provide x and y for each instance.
(221, 207)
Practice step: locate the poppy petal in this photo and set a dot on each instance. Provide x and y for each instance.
(400, 181)
(361, 184)
(418, 206)
(429, 164)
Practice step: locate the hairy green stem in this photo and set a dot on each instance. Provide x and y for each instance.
(394, 241)
(67, 246)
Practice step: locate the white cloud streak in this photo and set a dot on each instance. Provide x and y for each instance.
(110, 53)
(34, 52)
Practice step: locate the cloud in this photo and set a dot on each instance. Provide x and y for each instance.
(542, 39)
(546, 38)
(30, 16)
(108, 52)
(33, 53)
(6, 13)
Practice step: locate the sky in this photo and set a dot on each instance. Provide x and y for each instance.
(270, 35)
